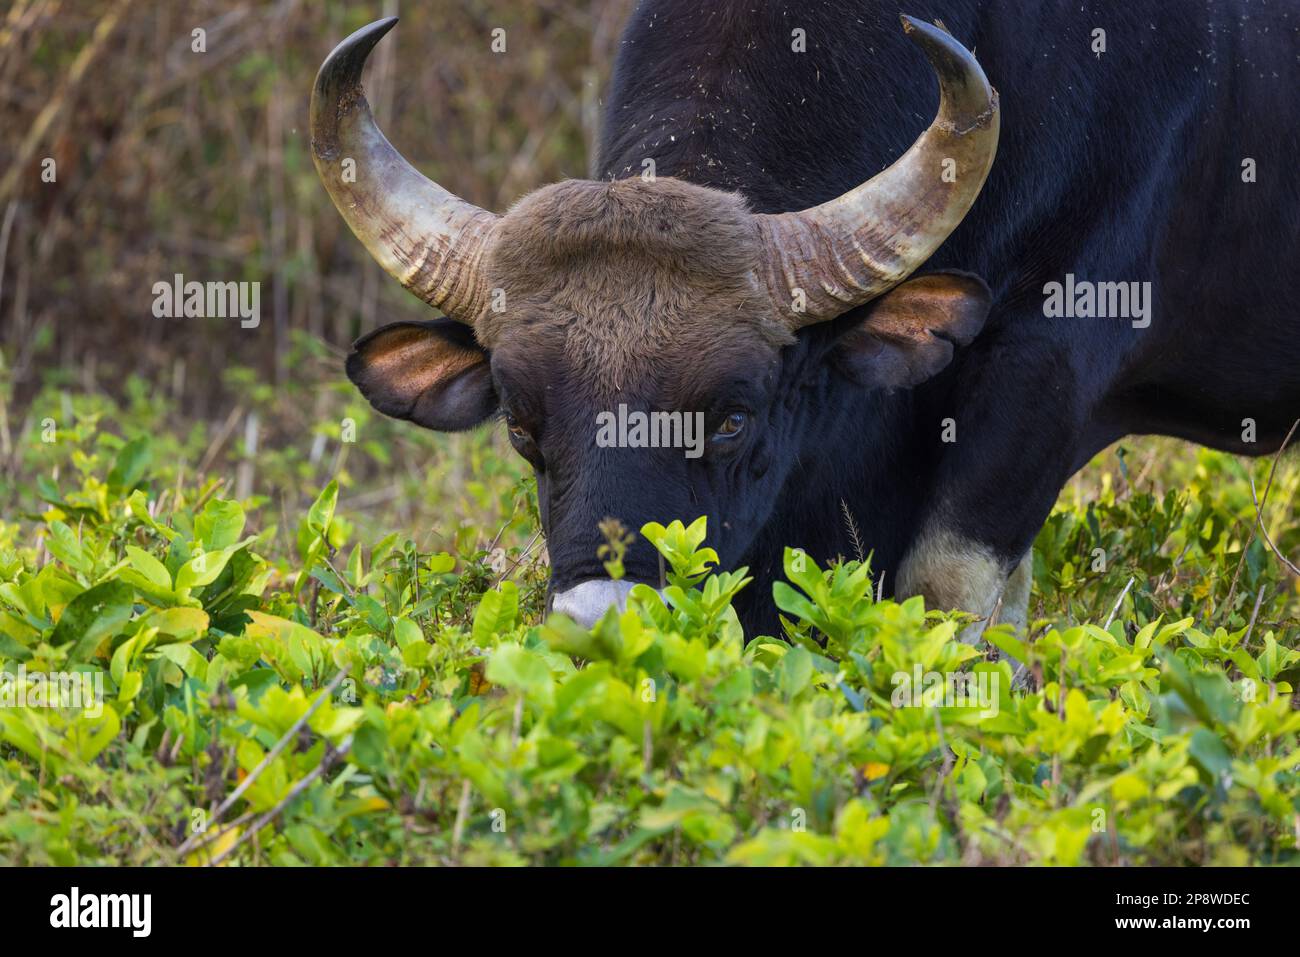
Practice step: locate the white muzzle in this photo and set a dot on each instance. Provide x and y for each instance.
(587, 602)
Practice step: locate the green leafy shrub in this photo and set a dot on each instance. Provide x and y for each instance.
(306, 697)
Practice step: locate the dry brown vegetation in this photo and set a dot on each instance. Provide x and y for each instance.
(175, 161)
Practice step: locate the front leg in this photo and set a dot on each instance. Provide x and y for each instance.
(1019, 427)
(1015, 596)
(951, 571)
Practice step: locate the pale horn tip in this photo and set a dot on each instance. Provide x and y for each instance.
(971, 99)
(338, 83)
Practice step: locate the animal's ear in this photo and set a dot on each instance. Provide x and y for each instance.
(432, 373)
(909, 334)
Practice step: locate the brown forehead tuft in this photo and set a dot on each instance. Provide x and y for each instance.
(628, 271)
(675, 222)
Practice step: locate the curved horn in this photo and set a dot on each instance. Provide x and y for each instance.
(428, 239)
(856, 247)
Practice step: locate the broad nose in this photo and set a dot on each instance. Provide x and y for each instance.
(585, 603)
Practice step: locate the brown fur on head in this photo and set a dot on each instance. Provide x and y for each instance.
(620, 273)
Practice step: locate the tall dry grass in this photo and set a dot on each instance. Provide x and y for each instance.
(172, 161)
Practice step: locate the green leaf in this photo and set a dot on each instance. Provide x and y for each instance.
(1210, 754)
(186, 624)
(497, 614)
(124, 654)
(407, 633)
(89, 736)
(132, 463)
(441, 563)
(186, 658)
(803, 571)
(203, 568)
(794, 603)
(138, 504)
(64, 546)
(1207, 694)
(130, 686)
(151, 568)
(294, 650)
(1004, 639)
(515, 667)
(92, 616)
(322, 510)
(794, 672)
(219, 525)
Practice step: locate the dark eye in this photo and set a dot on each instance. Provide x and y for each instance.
(732, 425)
(517, 431)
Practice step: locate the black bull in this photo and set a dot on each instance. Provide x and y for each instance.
(1147, 146)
